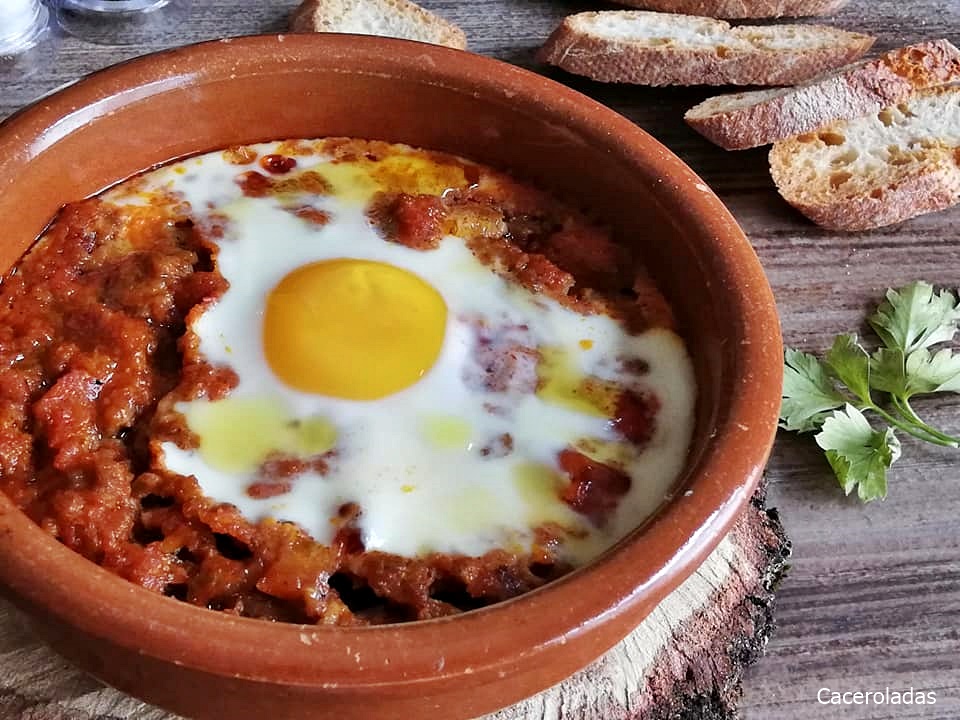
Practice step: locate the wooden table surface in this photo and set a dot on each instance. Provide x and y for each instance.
(873, 597)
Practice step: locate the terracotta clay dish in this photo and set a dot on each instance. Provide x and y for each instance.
(204, 664)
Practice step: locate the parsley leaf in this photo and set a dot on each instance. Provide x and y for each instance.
(808, 393)
(850, 364)
(910, 322)
(915, 317)
(932, 373)
(888, 371)
(919, 373)
(859, 455)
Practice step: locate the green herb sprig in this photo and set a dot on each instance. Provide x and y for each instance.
(832, 395)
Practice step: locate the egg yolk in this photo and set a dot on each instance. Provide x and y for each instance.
(353, 329)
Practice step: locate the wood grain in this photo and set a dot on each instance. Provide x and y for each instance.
(873, 597)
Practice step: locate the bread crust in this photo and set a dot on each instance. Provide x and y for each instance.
(853, 92)
(311, 16)
(917, 195)
(931, 187)
(741, 9)
(615, 60)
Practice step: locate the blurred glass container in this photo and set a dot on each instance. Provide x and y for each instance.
(22, 25)
(27, 49)
(121, 22)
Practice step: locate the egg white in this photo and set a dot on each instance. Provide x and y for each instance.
(415, 495)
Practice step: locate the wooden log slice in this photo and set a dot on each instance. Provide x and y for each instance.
(684, 662)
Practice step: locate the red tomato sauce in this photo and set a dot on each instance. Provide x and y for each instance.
(93, 355)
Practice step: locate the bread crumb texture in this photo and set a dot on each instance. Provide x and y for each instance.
(741, 9)
(649, 48)
(879, 169)
(387, 18)
(750, 119)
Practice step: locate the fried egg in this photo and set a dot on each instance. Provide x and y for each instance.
(376, 357)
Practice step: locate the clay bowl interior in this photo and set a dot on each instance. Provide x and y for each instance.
(204, 664)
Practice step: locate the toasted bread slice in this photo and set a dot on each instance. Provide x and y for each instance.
(876, 170)
(648, 48)
(741, 9)
(390, 18)
(751, 119)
